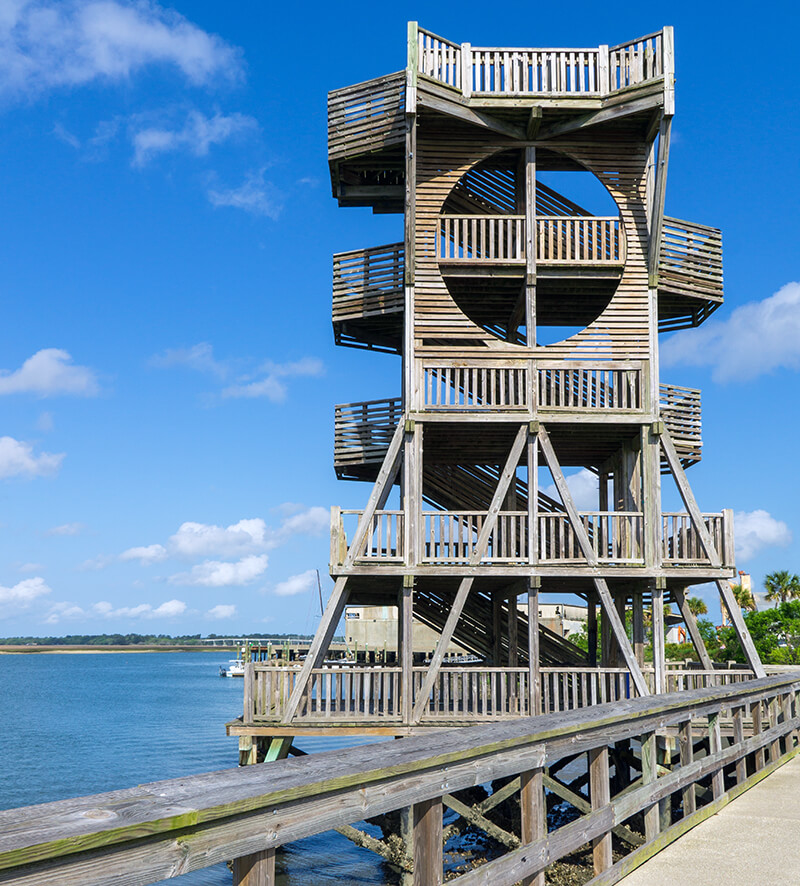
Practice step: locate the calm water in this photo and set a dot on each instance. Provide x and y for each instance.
(82, 724)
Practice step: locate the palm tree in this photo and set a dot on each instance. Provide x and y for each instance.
(782, 586)
(744, 598)
(696, 606)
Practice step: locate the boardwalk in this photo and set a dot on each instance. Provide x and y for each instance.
(753, 840)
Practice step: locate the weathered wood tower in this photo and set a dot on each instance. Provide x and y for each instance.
(528, 330)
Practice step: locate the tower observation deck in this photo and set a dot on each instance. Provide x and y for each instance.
(528, 329)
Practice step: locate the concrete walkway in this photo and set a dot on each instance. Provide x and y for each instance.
(754, 840)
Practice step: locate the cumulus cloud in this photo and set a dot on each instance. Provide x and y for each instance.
(66, 529)
(46, 44)
(297, 584)
(583, 486)
(199, 357)
(22, 594)
(17, 459)
(758, 337)
(30, 567)
(270, 384)
(255, 195)
(218, 574)
(145, 555)
(47, 373)
(756, 530)
(223, 610)
(203, 540)
(197, 134)
(103, 609)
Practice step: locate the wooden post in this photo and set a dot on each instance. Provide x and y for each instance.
(428, 842)
(513, 631)
(649, 775)
(637, 607)
(533, 812)
(686, 751)
(530, 245)
(691, 626)
(714, 747)
(600, 795)
(406, 647)
(659, 652)
(257, 869)
(534, 666)
(497, 628)
(738, 738)
(591, 628)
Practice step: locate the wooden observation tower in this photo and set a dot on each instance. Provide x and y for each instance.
(528, 330)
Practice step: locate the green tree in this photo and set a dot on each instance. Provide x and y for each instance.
(782, 586)
(696, 606)
(744, 598)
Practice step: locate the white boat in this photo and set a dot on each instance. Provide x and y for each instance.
(235, 668)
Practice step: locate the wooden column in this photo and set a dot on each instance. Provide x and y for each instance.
(257, 869)
(637, 606)
(659, 651)
(497, 628)
(652, 823)
(686, 751)
(513, 631)
(530, 245)
(600, 796)
(428, 843)
(406, 647)
(534, 664)
(591, 628)
(533, 811)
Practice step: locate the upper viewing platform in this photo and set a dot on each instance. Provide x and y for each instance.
(583, 73)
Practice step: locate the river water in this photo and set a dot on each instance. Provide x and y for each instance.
(75, 724)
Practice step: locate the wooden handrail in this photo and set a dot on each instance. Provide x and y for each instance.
(157, 831)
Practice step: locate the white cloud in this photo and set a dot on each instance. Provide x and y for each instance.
(103, 609)
(204, 540)
(311, 521)
(758, 337)
(22, 594)
(196, 136)
(44, 45)
(217, 574)
(223, 610)
(756, 530)
(66, 529)
(270, 384)
(297, 584)
(45, 421)
(199, 357)
(96, 563)
(47, 373)
(30, 567)
(146, 554)
(583, 486)
(255, 195)
(17, 459)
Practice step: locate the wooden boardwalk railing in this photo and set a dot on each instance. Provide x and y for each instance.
(149, 833)
(371, 695)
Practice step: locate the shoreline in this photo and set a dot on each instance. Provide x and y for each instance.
(106, 650)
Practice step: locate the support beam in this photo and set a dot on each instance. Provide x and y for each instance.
(428, 843)
(657, 217)
(257, 869)
(426, 99)
(406, 647)
(637, 606)
(600, 794)
(533, 814)
(610, 613)
(735, 613)
(659, 650)
(465, 586)
(534, 652)
(338, 599)
(691, 626)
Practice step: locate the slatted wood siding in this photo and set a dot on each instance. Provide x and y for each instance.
(366, 117)
(619, 333)
(690, 259)
(367, 282)
(681, 411)
(363, 431)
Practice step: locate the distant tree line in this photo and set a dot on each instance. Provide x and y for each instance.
(138, 639)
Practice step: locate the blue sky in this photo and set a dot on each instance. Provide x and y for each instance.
(167, 368)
